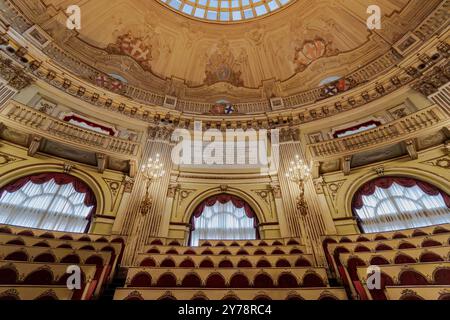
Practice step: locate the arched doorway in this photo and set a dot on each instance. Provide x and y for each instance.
(223, 217)
(393, 203)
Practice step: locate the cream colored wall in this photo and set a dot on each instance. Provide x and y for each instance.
(107, 187)
(338, 189)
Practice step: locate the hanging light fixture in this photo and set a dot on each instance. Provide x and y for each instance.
(298, 173)
(151, 171)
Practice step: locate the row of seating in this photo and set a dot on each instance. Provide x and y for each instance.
(48, 274)
(417, 274)
(34, 264)
(227, 278)
(419, 260)
(417, 293)
(188, 261)
(406, 233)
(225, 243)
(41, 292)
(416, 265)
(277, 269)
(270, 250)
(232, 294)
(336, 249)
(39, 233)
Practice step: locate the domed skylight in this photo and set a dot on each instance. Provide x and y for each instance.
(226, 10)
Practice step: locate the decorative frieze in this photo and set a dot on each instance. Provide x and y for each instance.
(442, 162)
(6, 159)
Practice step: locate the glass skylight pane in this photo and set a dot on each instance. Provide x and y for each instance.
(199, 13)
(235, 4)
(213, 3)
(188, 9)
(284, 1)
(260, 10)
(211, 15)
(175, 4)
(224, 16)
(224, 4)
(202, 2)
(245, 2)
(237, 15)
(273, 5)
(248, 13)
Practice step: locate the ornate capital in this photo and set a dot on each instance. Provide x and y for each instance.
(431, 83)
(128, 184)
(15, 76)
(276, 190)
(172, 190)
(159, 133)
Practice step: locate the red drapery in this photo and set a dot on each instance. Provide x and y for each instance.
(365, 124)
(59, 178)
(223, 198)
(110, 131)
(386, 182)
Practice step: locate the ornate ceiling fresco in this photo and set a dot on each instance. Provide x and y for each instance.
(145, 44)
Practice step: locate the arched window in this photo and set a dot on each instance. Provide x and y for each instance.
(53, 201)
(223, 217)
(392, 203)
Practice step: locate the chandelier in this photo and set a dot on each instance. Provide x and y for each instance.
(298, 173)
(151, 171)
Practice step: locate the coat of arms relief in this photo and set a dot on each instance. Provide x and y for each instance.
(223, 66)
(141, 42)
(311, 43)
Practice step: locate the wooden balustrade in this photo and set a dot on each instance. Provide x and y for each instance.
(35, 122)
(392, 132)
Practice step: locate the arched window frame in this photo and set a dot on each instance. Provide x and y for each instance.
(66, 187)
(389, 187)
(222, 199)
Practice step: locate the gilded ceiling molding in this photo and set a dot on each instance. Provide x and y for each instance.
(144, 44)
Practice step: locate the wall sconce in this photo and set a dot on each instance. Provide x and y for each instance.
(151, 171)
(299, 172)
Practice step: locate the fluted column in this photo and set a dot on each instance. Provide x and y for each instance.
(137, 226)
(311, 227)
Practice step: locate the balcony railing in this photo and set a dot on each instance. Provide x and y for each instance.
(393, 132)
(35, 122)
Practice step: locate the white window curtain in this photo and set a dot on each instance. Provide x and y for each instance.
(45, 206)
(223, 222)
(400, 207)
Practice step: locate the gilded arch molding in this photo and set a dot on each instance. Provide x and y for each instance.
(26, 170)
(200, 197)
(344, 199)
